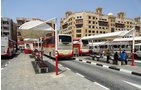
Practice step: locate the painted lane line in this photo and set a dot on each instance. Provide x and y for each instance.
(135, 85)
(137, 61)
(5, 64)
(93, 63)
(105, 66)
(77, 59)
(84, 61)
(127, 71)
(80, 75)
(102, 86)
(68, 68)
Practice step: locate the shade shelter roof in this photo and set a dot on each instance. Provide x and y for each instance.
(35, 29)
(127, 39)
(109, 35)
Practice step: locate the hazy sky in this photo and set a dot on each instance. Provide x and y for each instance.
(46, 9)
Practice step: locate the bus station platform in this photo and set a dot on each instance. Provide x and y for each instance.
(135, 70)
(20, 74)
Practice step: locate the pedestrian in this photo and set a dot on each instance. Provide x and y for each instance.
(123, 57)
(107, 53)
(116, 58)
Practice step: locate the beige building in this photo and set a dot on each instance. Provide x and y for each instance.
(8, 28)
(82, 24)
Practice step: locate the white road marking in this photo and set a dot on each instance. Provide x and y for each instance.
(135, 85)
(127, 71)
(137, 61)
(93, 63)
(68, 68)
(105, 66)
(76, 59)
(5, 64)
(102, 86)
(84, 61)
(80, 75)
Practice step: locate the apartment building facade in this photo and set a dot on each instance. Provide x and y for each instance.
(8, 28)
(82, 24)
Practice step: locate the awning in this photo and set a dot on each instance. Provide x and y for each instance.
(35, 29)
(109, 35)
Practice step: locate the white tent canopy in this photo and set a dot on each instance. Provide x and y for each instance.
(127, 39)
(109, 35)
(138, 44)
(35, 29)
(97, 43)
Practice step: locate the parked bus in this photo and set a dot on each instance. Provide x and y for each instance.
(118, 45)
(64, 46)
(8, 47)
(138, 50)
(80, 47)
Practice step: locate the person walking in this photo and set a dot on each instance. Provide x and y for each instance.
(123, 57)
(107, 53)
(116, 58)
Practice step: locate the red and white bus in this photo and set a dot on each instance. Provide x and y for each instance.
(64, 46)
(80, 47)
(8, 47)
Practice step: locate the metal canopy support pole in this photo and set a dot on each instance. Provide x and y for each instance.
(56, 48)
(133, 47)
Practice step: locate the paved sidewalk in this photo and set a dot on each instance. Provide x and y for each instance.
(132, 69)
(20, 75)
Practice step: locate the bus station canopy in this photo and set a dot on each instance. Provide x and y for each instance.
(127, 39)
(109, 35)
(35, 29)
(138, 44)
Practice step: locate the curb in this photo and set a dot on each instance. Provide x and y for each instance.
(110, 67)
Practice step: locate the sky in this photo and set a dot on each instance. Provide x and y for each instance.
(46, 9)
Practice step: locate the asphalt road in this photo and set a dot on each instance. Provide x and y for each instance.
(114, 80)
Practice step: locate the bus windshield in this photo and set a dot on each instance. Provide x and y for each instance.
(64, 39)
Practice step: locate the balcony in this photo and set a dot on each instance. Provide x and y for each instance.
(103, 23)
(79, 21)
(119, 25)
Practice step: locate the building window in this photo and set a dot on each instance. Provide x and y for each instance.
(78, 31)
(78, 35)
(89, 31)
(89, 26)
(89, 17)
(112, 30)
(89, 22)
